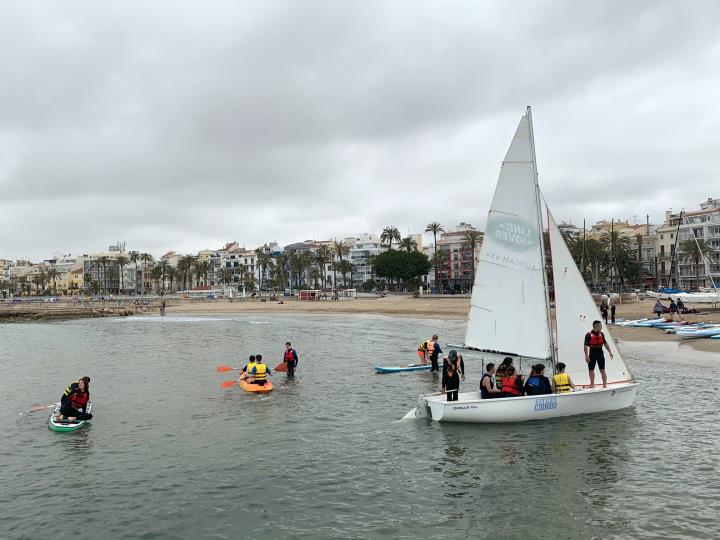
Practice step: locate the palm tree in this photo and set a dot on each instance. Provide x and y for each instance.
(248, 279)
(389, 235)
(53, 275)
(696, 250)
(408, 243)
(101, 262)
(322, 257)
(435, 228)
(282, 261)
(156, 274)
(146, 258)
(315, 274)
(470, 242)
(345, 268)
(134, 258)
(262, 260)
(615, 244)
(225, 276)
(340, 249)
(440, 258)
(185, 266)
(202, 269)
(122, 260)
(172, 275)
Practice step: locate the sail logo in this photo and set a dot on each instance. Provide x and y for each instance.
(513, 233)
(545, 404)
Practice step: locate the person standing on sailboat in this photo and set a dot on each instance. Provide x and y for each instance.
(594, 343)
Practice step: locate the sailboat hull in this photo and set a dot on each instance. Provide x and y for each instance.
(471, 409)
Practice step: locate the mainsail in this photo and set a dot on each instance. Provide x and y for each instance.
(508, 309)
(575, 311)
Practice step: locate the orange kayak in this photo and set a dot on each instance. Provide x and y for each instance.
(256, 388)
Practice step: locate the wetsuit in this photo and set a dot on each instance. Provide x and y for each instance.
(595, 341)
(434, 357)
(483, 391)
(459, 368)
(452, 386)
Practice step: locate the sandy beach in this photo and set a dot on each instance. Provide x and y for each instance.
(454, 308)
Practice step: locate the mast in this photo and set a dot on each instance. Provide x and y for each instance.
(540, 225)
(674, 253)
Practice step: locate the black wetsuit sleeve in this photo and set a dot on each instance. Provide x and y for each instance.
(462, 366)
(587, 339)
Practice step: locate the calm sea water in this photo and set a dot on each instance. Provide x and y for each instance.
(170, 455)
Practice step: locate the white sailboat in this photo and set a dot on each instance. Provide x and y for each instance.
(510, 306)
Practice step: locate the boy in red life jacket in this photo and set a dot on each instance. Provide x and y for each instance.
(290, 358)
(594, 343)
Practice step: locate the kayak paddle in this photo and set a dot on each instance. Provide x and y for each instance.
(227, 384)
(281, 367)
(225, 367)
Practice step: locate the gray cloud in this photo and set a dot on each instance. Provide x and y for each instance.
(182, 125)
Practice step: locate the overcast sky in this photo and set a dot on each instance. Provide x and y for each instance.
(183, 125)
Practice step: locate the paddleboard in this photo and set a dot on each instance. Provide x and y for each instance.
(66, 425)
(400, 369)
(256, 388)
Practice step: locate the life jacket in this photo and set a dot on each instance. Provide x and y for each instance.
(289, 356)
(596, 340)
(510, 386)
(499, 374)
(250, 367)
(70, 389)
(260, 372)
(424, 346)
(562, 383)
(534, 381)
(79, 400)
(483, 390)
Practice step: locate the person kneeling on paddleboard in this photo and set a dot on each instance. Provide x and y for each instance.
(259, 371)
(74, 401)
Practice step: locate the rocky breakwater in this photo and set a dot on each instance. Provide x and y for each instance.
(23, 312)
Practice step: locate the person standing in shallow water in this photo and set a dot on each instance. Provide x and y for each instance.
(434, 350)
(612, 313)
(594, 343)
(290, 358)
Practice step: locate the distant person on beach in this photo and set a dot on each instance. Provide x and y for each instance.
(658, 309)
(612, 313)
(680, 305)
(162, 309)
(74, 401)
(673, 309)
(561, 382)
(488, 389)
(604, 310)
(537, 384)
(434, 351)
(594, 343)
(455, 361)
(290, 357)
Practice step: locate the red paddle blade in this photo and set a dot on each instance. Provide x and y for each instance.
(281, 367)
(227, 384)
(224, 368)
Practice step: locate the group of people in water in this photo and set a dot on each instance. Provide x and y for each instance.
(256, 371)
(74, 402)
(504, 381)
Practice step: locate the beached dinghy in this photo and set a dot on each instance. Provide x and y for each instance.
(510, 306)
(400, 369)
(66, 425)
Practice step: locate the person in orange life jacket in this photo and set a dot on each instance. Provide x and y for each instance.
(512, 384)
(451, 383)
(73, 403)
(537, 384)
(502, 370)
(290, 358)
(434, 350)
(259, 371)
(423, 352)
(456, 361)
(488, 390)
(594, 343)
(561, 382)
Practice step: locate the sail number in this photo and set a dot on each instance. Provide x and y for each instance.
(545, 403)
